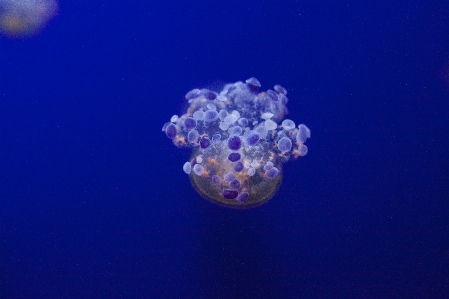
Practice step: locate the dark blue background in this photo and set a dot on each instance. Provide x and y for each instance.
(93, 200)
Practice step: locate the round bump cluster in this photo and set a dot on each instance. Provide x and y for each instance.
(237, 133)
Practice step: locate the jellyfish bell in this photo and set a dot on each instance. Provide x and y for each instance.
(25, 18)
(258, 190)
(239, 141)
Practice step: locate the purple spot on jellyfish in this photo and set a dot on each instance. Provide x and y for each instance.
(190, 123)
(273, 95)
(210, 95)
(194, 93)
(284, 144)
(210, 116)
(216, 180)
(253, 84)
(243, 197)
(230, 194)
(170, 131)
(204, 142)
(233, 157)
(234, 185)
(234, 143)
(238, 166)
(252, 137)
(272, 173)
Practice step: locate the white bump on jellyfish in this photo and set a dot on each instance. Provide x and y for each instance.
(303, 150)
(189, 123)
(283, 99)
(253, 82)
(251, 137)
(235, 130)
(262, 131)
(192, 136)
(279, 89)
(199, 159)
(236, 113)
(198, 115)
(216, 139)
(272, 173)
(288, 124)
(227, 87)
(268, 166)
(216, 179)
(251, 171)
(222, 98)
(255, 163)
(211, 107)
(229, 177)
(284, 144)
(267, 115)
(222, 114)
(223, 126)
(174, 118)
(194, 93)
(234, 185)
(210, 116)
(198, 169)
(243, 122)
(230, 119)
(270, 125)
(171, 131)
(273, 96)
(187, 167)
(303, 133)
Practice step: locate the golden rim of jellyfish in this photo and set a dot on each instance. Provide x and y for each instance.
(260, 190)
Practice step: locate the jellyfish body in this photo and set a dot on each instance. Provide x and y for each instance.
(24, 18)
(239, 141)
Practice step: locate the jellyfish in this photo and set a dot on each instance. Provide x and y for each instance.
(239, 140)
(24, 18)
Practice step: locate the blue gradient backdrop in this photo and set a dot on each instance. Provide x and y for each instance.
(93, 200)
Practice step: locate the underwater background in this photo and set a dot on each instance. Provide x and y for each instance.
(93, 199)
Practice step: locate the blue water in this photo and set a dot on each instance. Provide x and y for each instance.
(93, 199)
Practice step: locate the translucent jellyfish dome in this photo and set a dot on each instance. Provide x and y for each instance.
(25, 18)
(240, 140)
